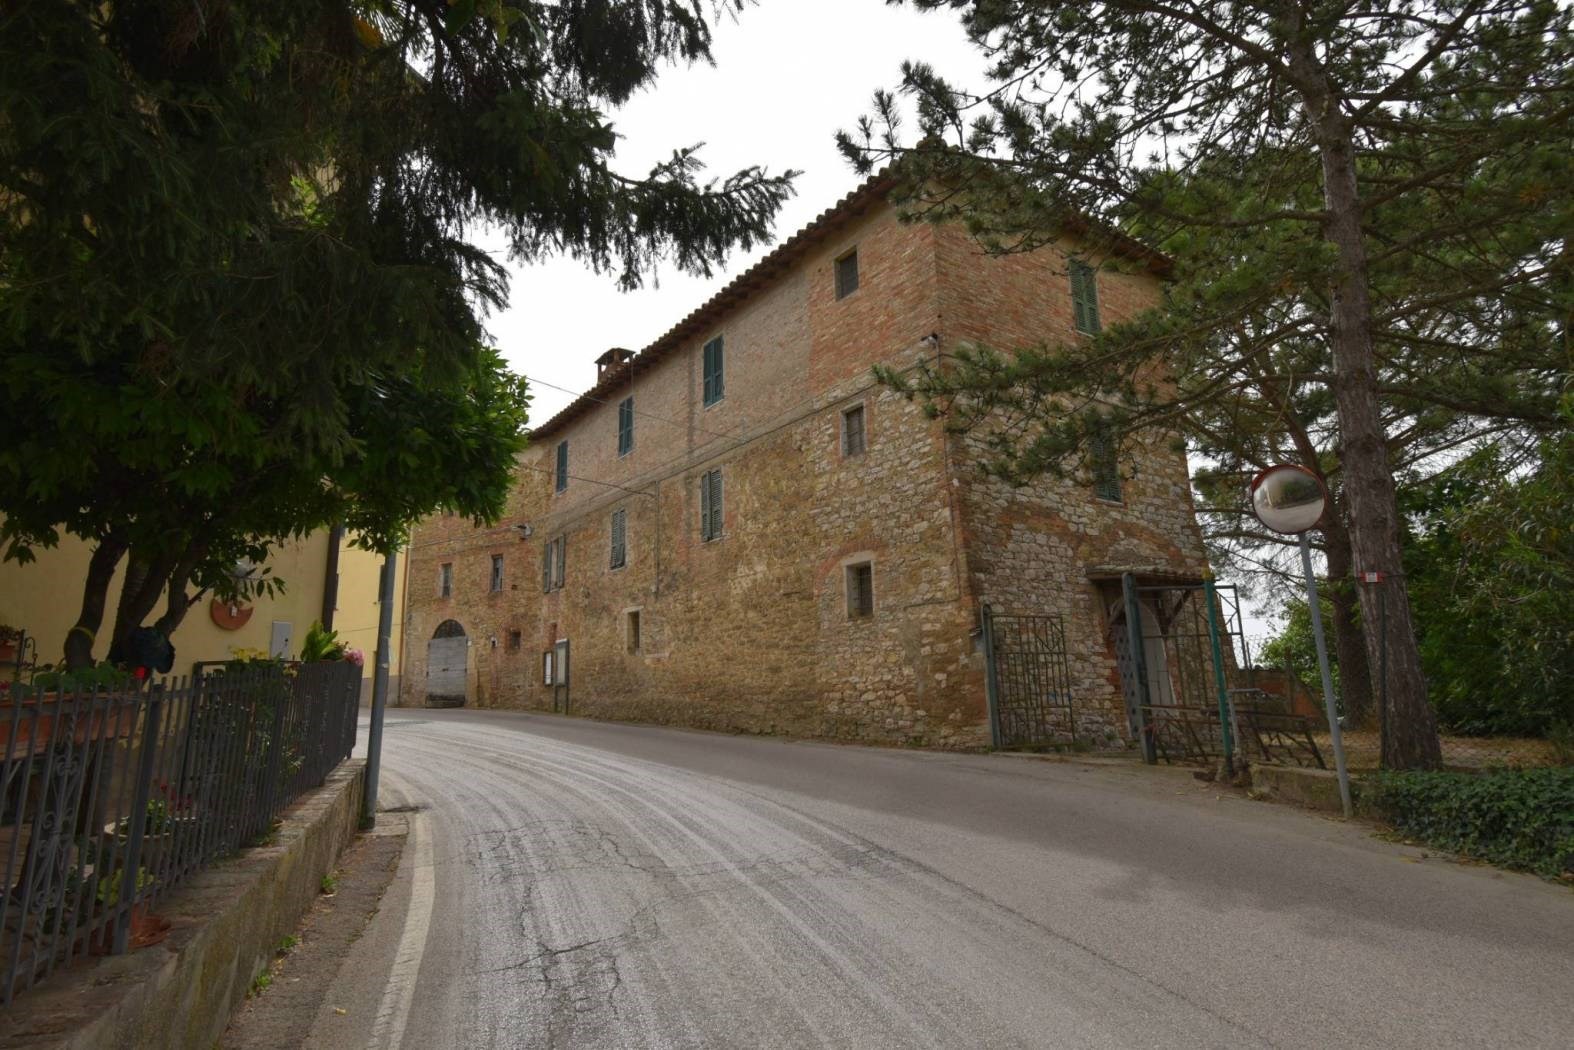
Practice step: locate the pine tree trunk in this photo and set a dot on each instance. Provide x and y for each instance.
(95, 595)
(1355, 670)
(1409, 726)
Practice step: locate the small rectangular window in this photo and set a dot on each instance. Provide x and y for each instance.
(710, 505)
(1084, 297)
(715, 388)
(553, 558)
(633, 631)
(625, 426)
(1104, 464)
(497, 573)
(860, 591)
(847, 274)
(445, 580)
(853, 442)
(619, 538)
(562, 465)
(546, 667)
(515, 639)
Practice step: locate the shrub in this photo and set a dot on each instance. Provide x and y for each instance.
(1520, 818)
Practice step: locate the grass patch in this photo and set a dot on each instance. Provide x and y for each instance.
(328, 885)
(1515, 818)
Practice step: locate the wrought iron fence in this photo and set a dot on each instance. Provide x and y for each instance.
(112, 797)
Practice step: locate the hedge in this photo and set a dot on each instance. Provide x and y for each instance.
(1516, 818)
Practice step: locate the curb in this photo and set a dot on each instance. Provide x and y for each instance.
(226, 923)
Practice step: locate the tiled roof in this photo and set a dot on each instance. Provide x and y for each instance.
(872, 190)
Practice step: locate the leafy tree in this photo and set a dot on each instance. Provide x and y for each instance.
(1491, 564)
(1491, 558)
(1295, 647)
(238, 295)
(1370, 202)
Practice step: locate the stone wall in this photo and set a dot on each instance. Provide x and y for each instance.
(1039, 548)
(752, 631)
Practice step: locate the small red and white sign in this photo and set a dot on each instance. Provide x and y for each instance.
(1372, 577)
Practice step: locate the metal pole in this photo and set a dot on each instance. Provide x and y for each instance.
(986, 623)
(1382, 664)
(1218, 675)
(1328, 679)
(374, 738)
(1134, 646)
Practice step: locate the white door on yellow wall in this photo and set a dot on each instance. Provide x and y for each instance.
(279, 641)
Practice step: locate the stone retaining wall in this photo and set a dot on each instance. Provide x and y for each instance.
(227, 923)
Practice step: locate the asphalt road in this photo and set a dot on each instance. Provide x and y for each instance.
(576, 884)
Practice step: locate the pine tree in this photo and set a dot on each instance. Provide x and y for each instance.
(1292, 138)
(237, 258)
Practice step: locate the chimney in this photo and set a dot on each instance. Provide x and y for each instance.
(612, 359)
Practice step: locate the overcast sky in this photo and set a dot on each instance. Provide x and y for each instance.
(788, 74)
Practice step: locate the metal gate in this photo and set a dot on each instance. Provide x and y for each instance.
(447, 665)
(1177, 682)
(1027, 680)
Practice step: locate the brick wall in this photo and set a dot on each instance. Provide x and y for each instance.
(751, 631)
(1031, 549)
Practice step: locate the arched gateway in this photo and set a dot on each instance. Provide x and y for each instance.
(447, 665)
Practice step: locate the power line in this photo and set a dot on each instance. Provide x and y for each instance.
(637, 412)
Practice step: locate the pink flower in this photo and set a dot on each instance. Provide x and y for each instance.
(356, 657)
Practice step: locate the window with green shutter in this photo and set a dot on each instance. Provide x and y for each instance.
(710, 505)
(554, 558)
(619, 538)
(562, 465)
(625, 426)
(847, 274)
(853, 439)
(1084, 297)
(1105, 465)
(714, 385)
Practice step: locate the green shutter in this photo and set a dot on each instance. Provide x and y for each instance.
(1084, 297)
(619, 538)
(546, 568)
(710, 505)
(705, 506)
(1105, 466)
(562, 561)
(715, 387)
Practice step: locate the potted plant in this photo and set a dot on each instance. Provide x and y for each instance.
(146, 928)
(34, 733)
(321, 644)
(165, 822)
(9, 639)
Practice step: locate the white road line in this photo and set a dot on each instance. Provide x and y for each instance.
(394, 1011)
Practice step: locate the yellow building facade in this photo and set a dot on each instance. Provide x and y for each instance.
(44, 596)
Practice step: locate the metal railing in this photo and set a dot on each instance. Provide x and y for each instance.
(112, 797)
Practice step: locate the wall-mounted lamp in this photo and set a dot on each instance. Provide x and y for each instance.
(525, 530)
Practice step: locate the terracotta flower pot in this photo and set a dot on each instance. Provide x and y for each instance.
(146, 929)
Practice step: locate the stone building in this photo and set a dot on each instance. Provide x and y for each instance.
(737, 528)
